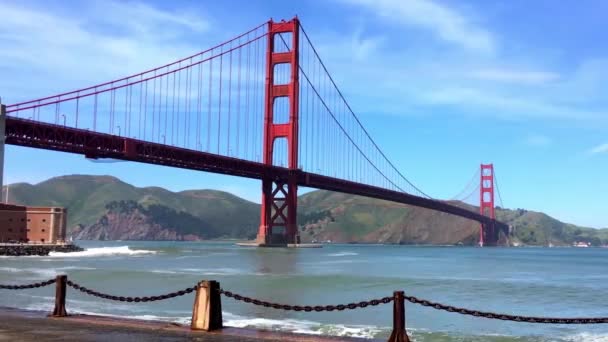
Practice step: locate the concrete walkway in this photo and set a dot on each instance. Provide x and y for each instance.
(18, 325)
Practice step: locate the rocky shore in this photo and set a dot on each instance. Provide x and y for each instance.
(40, 250)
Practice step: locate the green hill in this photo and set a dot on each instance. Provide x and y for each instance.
(86, 198)
(105, 207)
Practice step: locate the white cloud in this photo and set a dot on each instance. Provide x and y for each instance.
(362, 47)
(143, 18)
(446, 23)
(51, 49)
(515, 76)
(538, 140)
(506, 105)
(422, 81)
(603, 148)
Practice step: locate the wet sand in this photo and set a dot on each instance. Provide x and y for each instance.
(19, 325)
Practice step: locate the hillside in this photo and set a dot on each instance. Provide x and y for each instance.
(346, 218)
(104, 207)
(360, 219)
(87, 198)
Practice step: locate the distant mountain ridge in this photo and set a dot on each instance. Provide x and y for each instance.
(104, 207)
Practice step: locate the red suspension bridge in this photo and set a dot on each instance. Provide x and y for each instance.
(261, 105)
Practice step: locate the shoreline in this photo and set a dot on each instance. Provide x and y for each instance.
(27, 325)
(248, 243)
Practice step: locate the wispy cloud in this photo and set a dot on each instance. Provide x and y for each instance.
(54, 48)
(515, 76)
(446, 23)
(538, 140)
(426, 81)
(505, 105)
(602, 148)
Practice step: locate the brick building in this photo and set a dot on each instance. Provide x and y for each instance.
(32, 224)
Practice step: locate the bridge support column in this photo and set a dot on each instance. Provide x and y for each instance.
(490, 234)
(279, 207)
(278, 225)
(2, 143)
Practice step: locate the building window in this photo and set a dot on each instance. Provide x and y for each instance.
(28, 229)
(28, 220)
(10, 229)
(43, 220)
(43, 230)
(22, 220)
(41, 240)
(10, 220)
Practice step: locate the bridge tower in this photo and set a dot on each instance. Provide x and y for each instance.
(2, 142)
(486, 203)
(279, 195)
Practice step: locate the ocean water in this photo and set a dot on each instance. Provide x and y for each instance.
(561, 282)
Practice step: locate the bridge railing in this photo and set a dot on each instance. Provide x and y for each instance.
(207, 309)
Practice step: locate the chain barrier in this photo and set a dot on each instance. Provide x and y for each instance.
(131, 299)
(307, 308)
(320, 308)
(28, 286)
(505, 317)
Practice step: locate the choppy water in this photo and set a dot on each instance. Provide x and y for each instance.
(528, 281)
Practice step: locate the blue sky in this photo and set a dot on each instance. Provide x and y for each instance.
(441, 85)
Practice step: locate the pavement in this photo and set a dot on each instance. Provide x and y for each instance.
(20, 325)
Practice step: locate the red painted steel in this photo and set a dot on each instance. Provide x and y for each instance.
(486, 200)
(280, 195)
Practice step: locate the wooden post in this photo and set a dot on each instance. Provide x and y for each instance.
(207, 311)
(399, 334)
(60, 290)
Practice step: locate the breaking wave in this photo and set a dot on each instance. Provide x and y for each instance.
(102, 251)
(339, 254)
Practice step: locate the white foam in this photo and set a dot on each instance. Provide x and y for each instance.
(340, 254)
(43, 272)
(164, 272)
(232, 320)
(301, 326)
(588, 337)
(81, 268)
(102, 251)
(211, 271)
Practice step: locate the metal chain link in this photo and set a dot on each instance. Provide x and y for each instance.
(307, 308)
(28, 286)
(505, 317)
(131, 299)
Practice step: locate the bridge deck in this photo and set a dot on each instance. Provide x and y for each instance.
(36, 134)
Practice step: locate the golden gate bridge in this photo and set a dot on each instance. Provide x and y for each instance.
(262, 105)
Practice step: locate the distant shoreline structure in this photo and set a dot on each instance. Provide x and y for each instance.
(28, 231)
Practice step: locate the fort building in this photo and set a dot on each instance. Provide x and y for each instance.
(33, 225)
